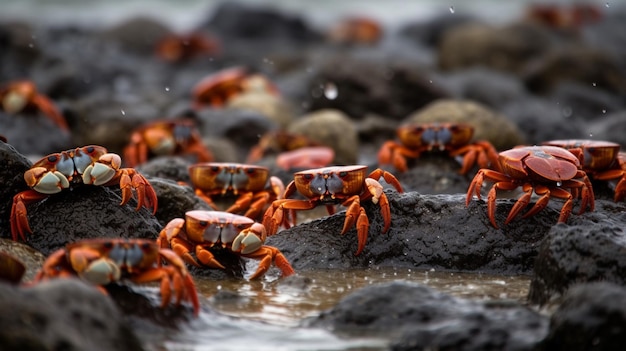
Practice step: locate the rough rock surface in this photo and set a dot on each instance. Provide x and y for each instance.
(64, 314)
(416, 317)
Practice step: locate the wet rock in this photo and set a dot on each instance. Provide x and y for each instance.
(591, 317)
(416, 317)
(87, 212)
(34, 134)
(435, 173)
(173, 168)
(541, 120)
(388, 89)
(62, 314)
(137, 35)
(578, 63)
(581, 252)
(506, 48)
(175, 200)
(427, 232)
(489, 124)
(331, 128)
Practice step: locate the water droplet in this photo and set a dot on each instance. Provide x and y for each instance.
(123, 113)
(603, 111)
(430, 81)
(559, 183)
(606, 5)
(330, 91)
(594, 84)
(167, 88)
(567, 112)
(451, 9)
(31, 45)
(591, 135)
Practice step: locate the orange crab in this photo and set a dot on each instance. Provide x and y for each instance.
(216, 89)
(278, 141)
(84, 165)
(166, 137)
(306, 157)
(356, 30)
(250, 185)
(601, 160)
(453, 139)
(104, 261)
(22, 96)
(202, 230)
(549, 171)
(178, 48)
(329, 186)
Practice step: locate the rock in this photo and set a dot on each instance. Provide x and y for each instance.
(331, 128)
(390, 89)
(489, 125)
(31, 258)
(273, 107)
(431, 31)
(416, 317)
(427, 232)
(63, 313)
(591, 317)
(505, 48)
(581, 252)
(12, 178)
(138, 35)
(583, 64)
(34, 134)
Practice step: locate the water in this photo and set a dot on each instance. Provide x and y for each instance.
(267, 313)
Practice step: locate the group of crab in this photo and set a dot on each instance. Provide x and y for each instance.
(249, 204)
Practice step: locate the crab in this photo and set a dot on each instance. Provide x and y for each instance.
(356, 30)
(166, 137)
(22, 96)
(90, 164)
(548, 171)
(453, 139)
(601, 160)
(216, 89)
(251, 185)
(179, 48)
(200, 231)
(104, 261)
(329, 186)
(306, 157)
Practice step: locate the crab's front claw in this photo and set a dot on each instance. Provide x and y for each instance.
(250, 239)
(131, 180)
(19, 218)
(46, 181)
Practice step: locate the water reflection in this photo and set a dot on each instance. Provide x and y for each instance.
(264, 315)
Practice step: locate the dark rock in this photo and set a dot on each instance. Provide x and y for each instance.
(582, 64)
(137, 35)
(581, 252)
(388, 89)
(62, 314)
(506, 48)
(591, 317)
(175, 199)
(416, 317)
(435, 173)
(32, 259)
(34, 134)
(427, 231)
(87, 212)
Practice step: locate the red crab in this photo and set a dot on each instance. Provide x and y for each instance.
(216, 89)
(104, 261)
(345, 185)
(306, 157)
(251, 185)
(202, 230)
(178, 48)
(22, 96)
(279, 141)
(601, 160)
(166, 137)
(549, 171)
(84, 165)
(453, 139)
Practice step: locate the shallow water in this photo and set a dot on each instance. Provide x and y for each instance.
(264, 315)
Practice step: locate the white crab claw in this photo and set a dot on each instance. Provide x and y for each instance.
(247, 242)
(98, 174)
(375, 188)
(52, 183)
(101, 272)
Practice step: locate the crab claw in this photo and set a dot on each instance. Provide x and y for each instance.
(250, 239)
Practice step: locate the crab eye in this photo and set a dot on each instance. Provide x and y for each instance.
(343, 174)
(52, 158)
(145, 246)
(250, 171)
(307, 176)
(90, 149)
(215, 168)
(203, 223)
(108, 245)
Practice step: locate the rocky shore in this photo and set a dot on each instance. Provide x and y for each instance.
(525, 82)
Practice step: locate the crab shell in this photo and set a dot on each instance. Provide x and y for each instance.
(596, 155)
(229, 177)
